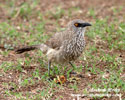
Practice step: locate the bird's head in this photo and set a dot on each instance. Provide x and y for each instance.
(78, 24)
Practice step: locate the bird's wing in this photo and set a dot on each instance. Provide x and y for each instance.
(57, 40)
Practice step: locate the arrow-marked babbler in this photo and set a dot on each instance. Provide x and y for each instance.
(63, 47)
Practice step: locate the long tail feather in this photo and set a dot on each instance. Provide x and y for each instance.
(27, 48)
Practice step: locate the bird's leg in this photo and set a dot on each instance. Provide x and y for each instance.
(72, 72)
(72, 65)
(49, 64)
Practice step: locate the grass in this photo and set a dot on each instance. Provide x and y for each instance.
(25, 76)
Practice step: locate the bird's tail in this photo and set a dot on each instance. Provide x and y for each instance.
(44, 48)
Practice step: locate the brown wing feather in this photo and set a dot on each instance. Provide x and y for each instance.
(57, 40)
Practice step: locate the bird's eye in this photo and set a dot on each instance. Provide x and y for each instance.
(76, 24)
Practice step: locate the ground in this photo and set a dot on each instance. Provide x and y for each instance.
(101, 66)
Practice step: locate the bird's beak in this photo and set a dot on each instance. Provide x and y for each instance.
(85, 24)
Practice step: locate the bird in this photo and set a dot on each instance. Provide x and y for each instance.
(64, 46)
